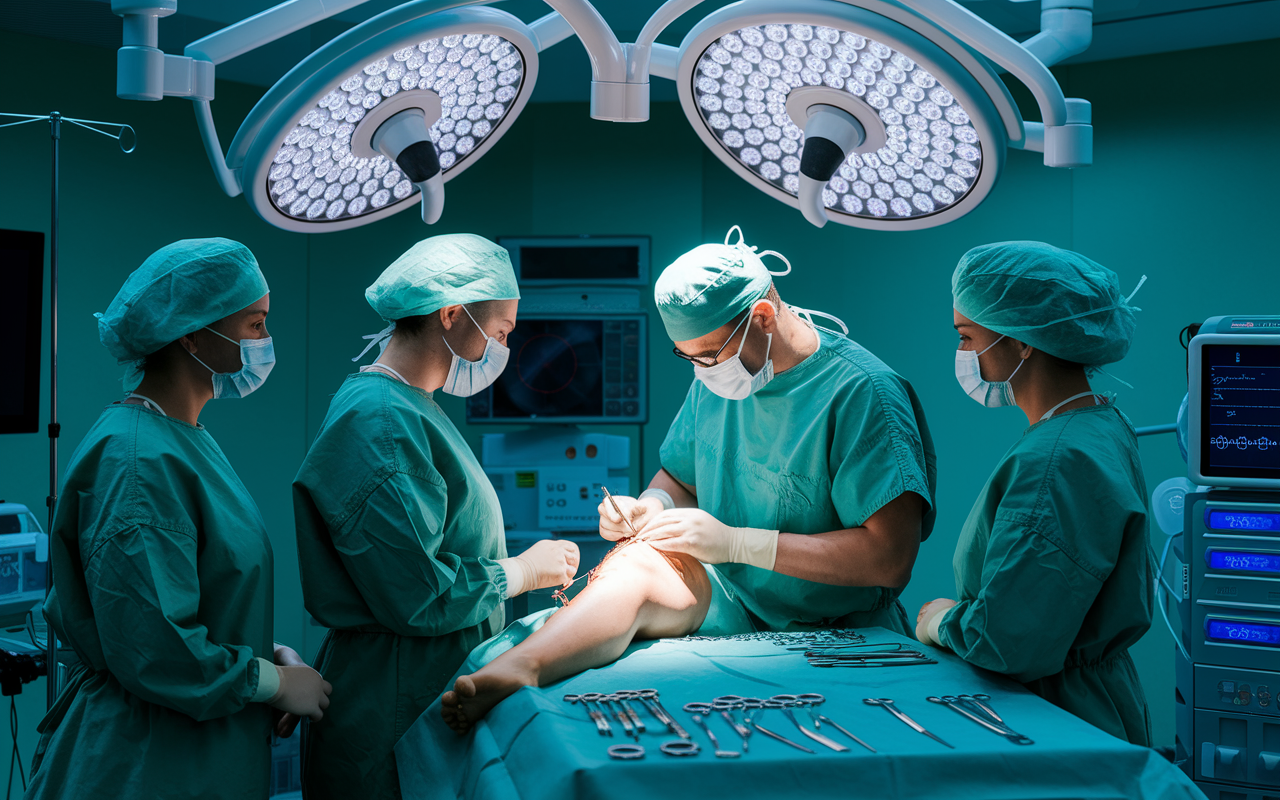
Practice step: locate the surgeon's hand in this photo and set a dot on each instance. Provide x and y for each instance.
(694, 532)
(550, 562)
(639, 512)
(285, 723)
(302, 692)
(926, 632)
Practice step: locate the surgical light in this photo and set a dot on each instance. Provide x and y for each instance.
(882, 114)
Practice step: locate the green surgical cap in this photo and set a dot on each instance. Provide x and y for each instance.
(707, 287)
(453, 269)
(179, 289)
(1054, 300)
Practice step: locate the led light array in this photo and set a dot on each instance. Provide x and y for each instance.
(315, 175)
(932, 155)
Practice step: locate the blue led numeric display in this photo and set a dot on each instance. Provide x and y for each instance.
(1242, 521)
(1254, 633)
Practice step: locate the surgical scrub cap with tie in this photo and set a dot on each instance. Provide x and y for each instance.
(447, 270)
(710, 285)
(1054, 300)
(179, 289)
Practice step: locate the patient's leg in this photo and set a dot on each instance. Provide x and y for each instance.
(639, 593)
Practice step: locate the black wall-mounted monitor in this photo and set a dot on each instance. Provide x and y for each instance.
(579, 260)
(21, 296)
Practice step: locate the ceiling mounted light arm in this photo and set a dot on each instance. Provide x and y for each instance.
(613, 96)
(1067, 142)
(1066, 30)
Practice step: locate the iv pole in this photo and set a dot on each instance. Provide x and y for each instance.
(55, 120)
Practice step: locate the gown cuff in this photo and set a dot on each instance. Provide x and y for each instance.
(268, 682)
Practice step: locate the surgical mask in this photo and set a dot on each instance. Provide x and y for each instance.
(992, 394)
(258, 357)
(469, 377)
(730, 378)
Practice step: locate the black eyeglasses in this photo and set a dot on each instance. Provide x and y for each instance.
(705, 361)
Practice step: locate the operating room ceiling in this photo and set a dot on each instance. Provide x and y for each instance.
(1122, 28)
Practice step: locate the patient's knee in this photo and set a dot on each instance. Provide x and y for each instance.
(662, 570)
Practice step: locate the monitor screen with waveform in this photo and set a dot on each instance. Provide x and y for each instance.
(1240, 402)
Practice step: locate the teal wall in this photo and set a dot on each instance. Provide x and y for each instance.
(1182, 190)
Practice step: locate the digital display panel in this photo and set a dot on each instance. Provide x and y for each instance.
(1255, 633)
(1240, 397)
(1244, 561)
(1241, 521)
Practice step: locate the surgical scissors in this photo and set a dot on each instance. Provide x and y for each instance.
(715, 743)
(956, 704)
(771, 703)
(887, 704)
(817, 737)
(980, 700)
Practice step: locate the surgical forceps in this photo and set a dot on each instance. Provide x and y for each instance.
(650, 699)
(624, 698)
(602, 722)
(788, 701)
(810, 702)
(777, 736)
(611, 702)
(614, 503)
(956, 704)
(887, 704)
(715, 743)
(726, 705)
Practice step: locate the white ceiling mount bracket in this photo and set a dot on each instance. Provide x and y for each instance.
(139, 61)
(1071, 145)
(1066, 30)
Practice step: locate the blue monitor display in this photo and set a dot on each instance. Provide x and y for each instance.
(1217, 519)
(1240, 395)
(21, 290)
(1244, 561)
(1254, 633)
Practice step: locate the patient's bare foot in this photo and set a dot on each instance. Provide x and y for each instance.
(475, 694)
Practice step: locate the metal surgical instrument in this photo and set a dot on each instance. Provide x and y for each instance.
(624, 699)
(612, 703)
(980, 700)
(720, 753)
(726, 705)
(817, 737)
(779, 737)
(650, 699)
(614, 503)
(887, 704)
(602, 722)
(680, 747)
(626, 752)
(957, 705)
(821, 718)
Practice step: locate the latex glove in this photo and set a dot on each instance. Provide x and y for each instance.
(550, 562)
(639, 512)
(285, 723)
(694, 532)
(929, 618)
(302, 693)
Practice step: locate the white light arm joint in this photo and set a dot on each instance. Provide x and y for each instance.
(143, 71)
(1067, 143)
(404, 140)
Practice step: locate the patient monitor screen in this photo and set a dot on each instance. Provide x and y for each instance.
(1240, 411)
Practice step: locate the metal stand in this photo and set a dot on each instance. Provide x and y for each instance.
(55, 120)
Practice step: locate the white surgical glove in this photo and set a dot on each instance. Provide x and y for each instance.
(930, 619)
(694, 532)
(549, 562)
(637, 510)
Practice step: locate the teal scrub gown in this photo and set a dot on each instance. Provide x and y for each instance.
(821, 447)
(399, 534)
(163, 587)
(1054, 573)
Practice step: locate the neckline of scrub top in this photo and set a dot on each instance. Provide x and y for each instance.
(783, 381)
(1067, 414)
(157, 415)
(377, 373)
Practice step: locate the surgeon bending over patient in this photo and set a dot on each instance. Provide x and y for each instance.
(800, 466)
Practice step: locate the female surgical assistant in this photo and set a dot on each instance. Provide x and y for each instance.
(1052, 568)
(163, 569)
(400, 535)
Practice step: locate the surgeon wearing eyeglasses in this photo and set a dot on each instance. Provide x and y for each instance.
(800, 467)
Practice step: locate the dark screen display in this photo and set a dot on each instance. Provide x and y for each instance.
(1240, 411)
(21, 288)
(556, 370)
(579, 263)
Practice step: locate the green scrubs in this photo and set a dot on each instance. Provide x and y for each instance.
(163, 578)
(821, 447)
(1053, 570)
(399, 533)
